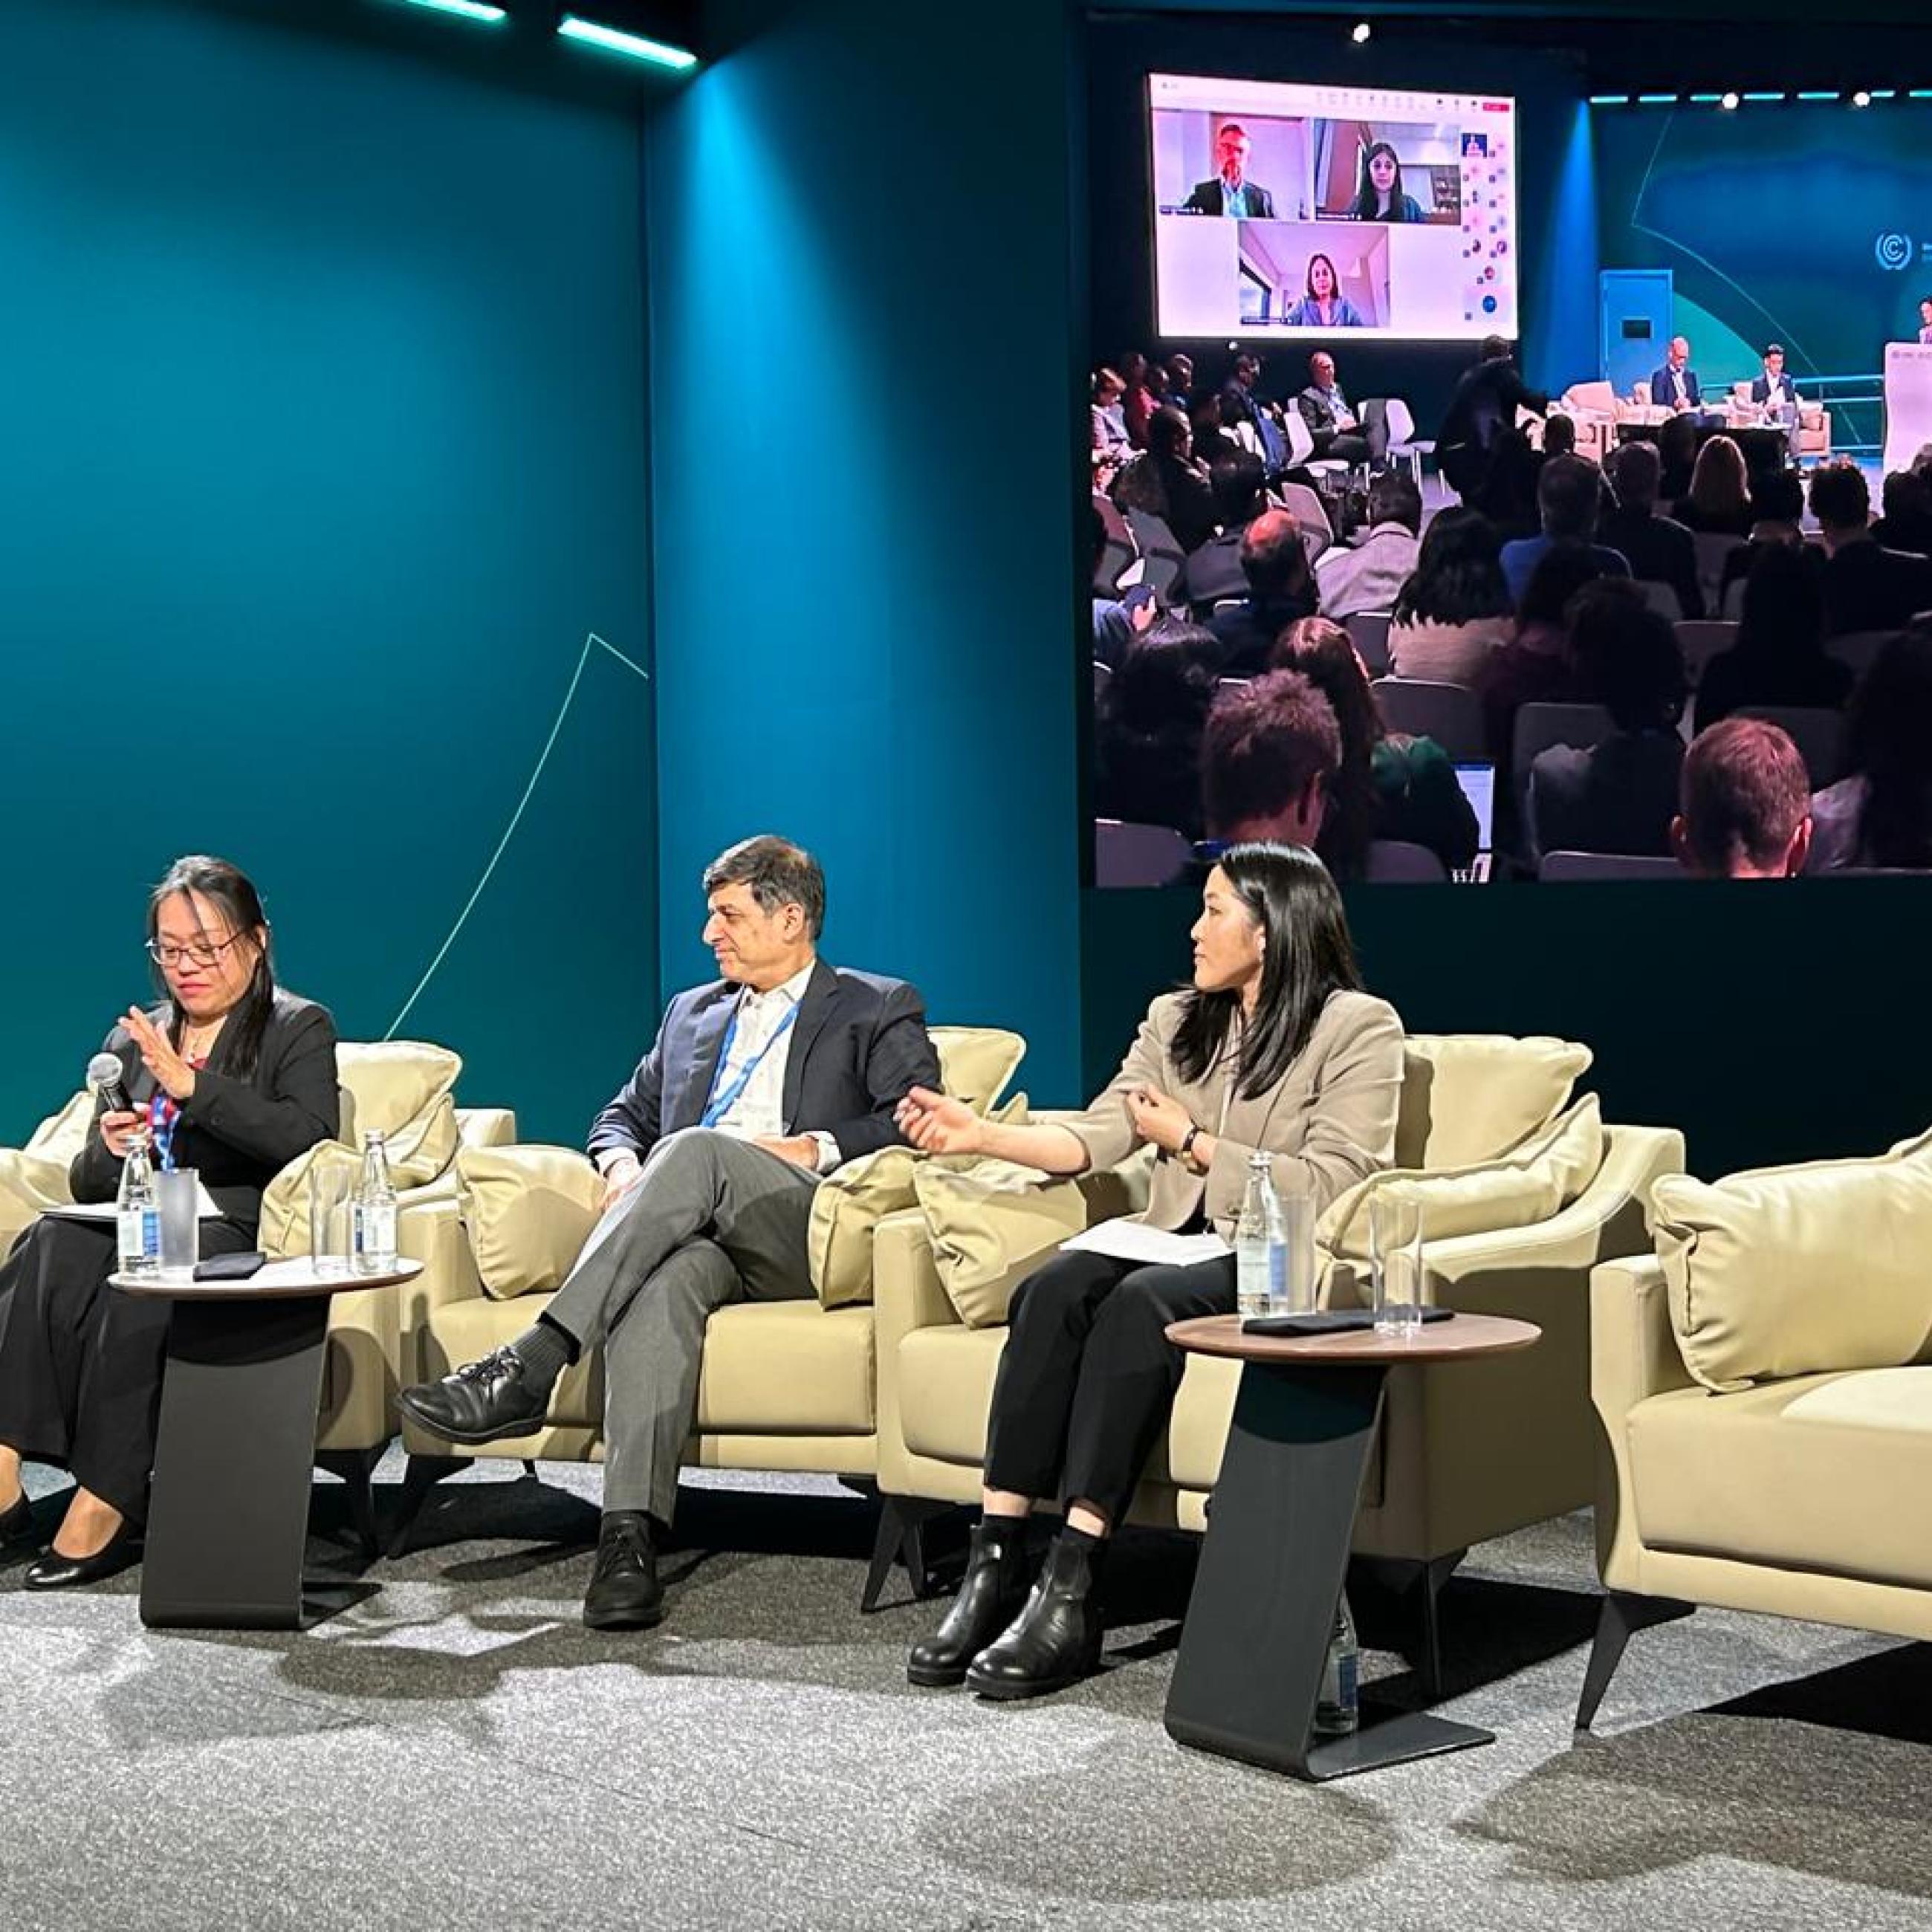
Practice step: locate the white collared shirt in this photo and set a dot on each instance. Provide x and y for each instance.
(759, 1108)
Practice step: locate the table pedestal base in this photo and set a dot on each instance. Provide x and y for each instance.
(1256, 1639)
(234, 1460)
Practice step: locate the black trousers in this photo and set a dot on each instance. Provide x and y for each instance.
(81, 1362)
(1087, 1379)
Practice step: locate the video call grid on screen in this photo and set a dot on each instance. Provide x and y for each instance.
(1424, 250)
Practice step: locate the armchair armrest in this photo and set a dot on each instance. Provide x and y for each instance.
(907, 1295)
(485, 1127)
(1633, 1355)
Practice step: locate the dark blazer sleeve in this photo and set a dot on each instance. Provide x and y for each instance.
(294, 1102)
(1206, 198)
(902, 1056)
(633, 1118)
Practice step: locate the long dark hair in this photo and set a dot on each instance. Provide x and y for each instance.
(1367, 202)
(1309, 956)
(1887, 724)
(1308, 278)
(1324, 654)
(1458, 573)
(232, 893)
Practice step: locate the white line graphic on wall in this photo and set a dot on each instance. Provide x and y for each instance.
(591, 642)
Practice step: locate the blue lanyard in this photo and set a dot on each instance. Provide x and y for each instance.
(163, 1116)
(720, 1104)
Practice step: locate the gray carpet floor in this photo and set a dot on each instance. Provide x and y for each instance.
(455, 1750)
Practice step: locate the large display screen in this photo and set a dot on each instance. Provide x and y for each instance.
(1282, 210)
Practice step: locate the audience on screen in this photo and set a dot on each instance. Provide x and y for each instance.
(1906, 522)
(1779, 500)
(1367, 574)
(1779, 657)
(1147, 736)
(1620, 794)
(1281, 589)
(1340, 435)
(1569, 495)
(1109, 426)
(1482, 407)
(1165, 480)
(1455, 610)
(1718, 501)
(1879, 814)
(1214, 572)
(1658, 549)
(1391, 786)
(1867, 587)
(1269, 756)
(1743, 804)
(1677, 450)
(1137, 402)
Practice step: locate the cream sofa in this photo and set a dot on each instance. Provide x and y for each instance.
(785, 1385)
(1763, 1386)
(402, 1088)
(1465, 1452)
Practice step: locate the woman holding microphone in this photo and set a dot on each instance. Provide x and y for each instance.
(229, 1076)
(1274, 1047)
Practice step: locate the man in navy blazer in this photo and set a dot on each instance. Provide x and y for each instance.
(1674, 386)
(1230, 191)
(756, 1086)
(1776, 395)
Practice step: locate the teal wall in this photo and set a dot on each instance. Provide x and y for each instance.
(323, 405)
(862, 436)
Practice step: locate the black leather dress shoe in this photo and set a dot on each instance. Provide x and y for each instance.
(990, 1596)
(481, 1401)
(1055, 1640)
(625, 1593)
(53, 1571)
(17, 1525)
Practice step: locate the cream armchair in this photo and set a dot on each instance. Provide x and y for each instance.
(1463, 1456)
(1592, 407)
(1814, 420)
(403, 1089)
(1764, 1395)
(783, 1385)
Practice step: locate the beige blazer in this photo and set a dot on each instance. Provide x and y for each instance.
(1330, 1123)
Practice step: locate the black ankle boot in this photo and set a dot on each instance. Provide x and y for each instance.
(1055, 1640)
(990, 1595)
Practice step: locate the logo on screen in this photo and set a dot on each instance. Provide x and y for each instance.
(1894, 251)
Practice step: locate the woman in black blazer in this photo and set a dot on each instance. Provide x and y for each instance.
(229, 1076)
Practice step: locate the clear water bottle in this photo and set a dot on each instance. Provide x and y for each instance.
(1338, 1709)
(375, 1211)
(137, 1215)
(1261, 1244)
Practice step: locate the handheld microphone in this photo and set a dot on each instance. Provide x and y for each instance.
(103, 1074)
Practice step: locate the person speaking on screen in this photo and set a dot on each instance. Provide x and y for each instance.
(1381, 197)
(1230, 191)
(1323, 305)
(1273, 1048)
(230, 1075)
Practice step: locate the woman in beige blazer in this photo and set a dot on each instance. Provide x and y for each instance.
(1274, 1047)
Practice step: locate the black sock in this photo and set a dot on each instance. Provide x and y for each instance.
(545, 1352)
(1080, 1539)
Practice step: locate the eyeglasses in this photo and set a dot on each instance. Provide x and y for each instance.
(200, 953)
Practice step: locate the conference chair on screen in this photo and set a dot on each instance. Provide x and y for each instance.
(1700, 639)
(1301, 441)
(1405, 449)
(1368, 631)
(1103, 677)
(1394, 862)
(1118, 550)
(1580, 868)
(1312, 513)
(1451, 714)
(1161, 557)
(1137, 855)
(1856, 648)
(1714, 549)
(1818, 734)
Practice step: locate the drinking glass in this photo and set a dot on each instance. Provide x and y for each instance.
(1395, 1259)
(177, 1196)
(332, 1235)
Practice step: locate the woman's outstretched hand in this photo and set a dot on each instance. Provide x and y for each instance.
(935, 1124)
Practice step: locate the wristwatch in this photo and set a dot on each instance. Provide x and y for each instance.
(1184, 1153)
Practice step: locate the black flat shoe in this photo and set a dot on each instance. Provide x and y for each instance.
(480, 1403)
(1055, 1640)
(990, 1596)
(17, 1525)
(625, 1593)
(53, 1571)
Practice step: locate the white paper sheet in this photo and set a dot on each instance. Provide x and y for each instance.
(1134, 1241)
(105, 1210)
